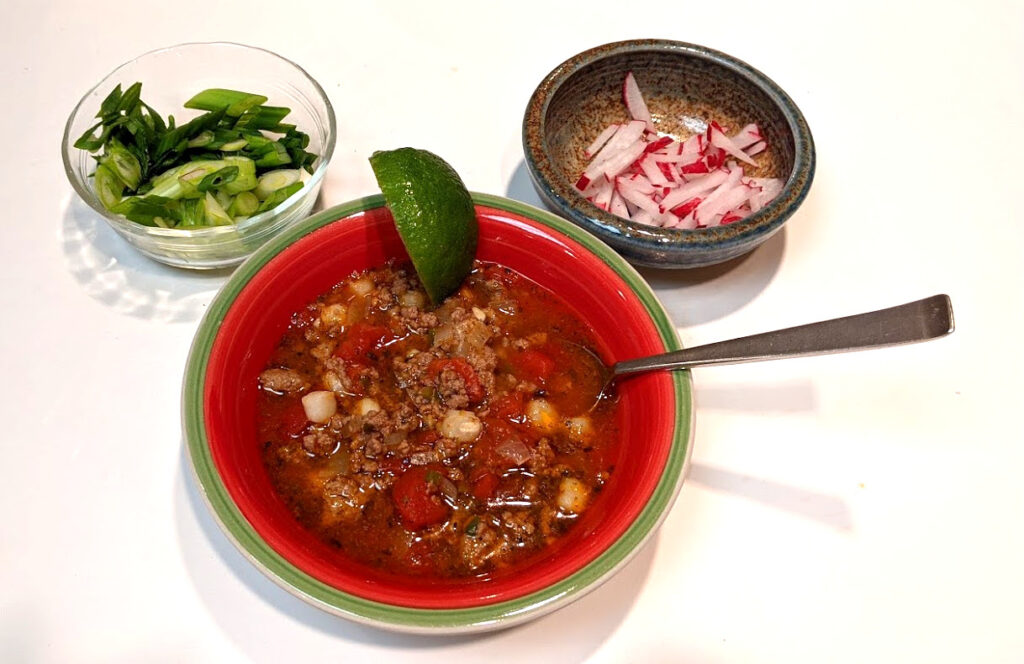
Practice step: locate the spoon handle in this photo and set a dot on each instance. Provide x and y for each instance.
(916, 321)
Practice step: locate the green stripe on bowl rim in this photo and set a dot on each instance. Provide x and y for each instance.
(404, 619)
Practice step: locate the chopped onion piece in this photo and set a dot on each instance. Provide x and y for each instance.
(514, 450)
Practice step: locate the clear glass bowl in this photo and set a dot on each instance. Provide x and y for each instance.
(169, 77)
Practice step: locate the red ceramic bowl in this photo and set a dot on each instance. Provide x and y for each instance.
(245, 322)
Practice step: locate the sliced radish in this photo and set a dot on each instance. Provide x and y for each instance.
(623, 160)
(601, 139)
(644, 217)
(634, 101)
(603, 197)
(652, 172)
(709, 207)
(618, 206)
(695, 187)
(629, 134)
(770, 188)
(632, 192)
(718, 138)
(660, 181)
(747, 136)
(756, 148)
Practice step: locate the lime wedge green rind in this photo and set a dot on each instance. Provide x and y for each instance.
(434, 215)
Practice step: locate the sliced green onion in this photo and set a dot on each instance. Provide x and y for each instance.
(262, 117)
(190, 177)
(122, 163)
(148, 210)
(244, 204)
(234, 146)
(215, 214)
(109, 187)
(234, 102)
(277, 156)
(111, 102)
(159, 173)
(218, 178)
(201, 140)
(193, 213)
(246, 178)
(278, 197)
(224, 199)
(256, 140)
(271, 181)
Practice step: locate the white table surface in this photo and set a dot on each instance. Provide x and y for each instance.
(853, 508)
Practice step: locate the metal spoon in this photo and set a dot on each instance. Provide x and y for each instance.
(925, 319)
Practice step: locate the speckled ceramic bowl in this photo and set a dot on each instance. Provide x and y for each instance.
(684, 86)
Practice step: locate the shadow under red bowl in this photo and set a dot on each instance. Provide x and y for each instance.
(247, 320)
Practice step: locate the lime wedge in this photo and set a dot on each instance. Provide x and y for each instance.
(434, 215)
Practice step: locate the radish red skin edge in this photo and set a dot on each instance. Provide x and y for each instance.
(655, 180)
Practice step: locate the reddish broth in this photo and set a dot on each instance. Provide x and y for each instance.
(463, 439)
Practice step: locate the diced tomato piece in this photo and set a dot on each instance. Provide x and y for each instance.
(417, 497)
(485, 483)
(533, 365)
(362, 338)
(474, 390)
(293, 419)
(390, 463)
(510, 406)
(495, 433)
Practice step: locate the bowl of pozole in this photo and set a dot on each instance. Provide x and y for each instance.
(435, 467)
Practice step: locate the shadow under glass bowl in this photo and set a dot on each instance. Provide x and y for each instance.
(685, 86)
(169, 77)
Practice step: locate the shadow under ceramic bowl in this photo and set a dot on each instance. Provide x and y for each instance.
(169, 77)
(243, 325)
(685, 86)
